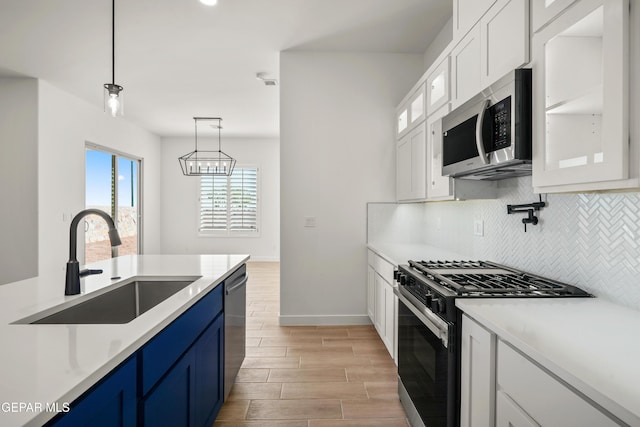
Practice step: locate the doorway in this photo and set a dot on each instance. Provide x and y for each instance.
(112, 184)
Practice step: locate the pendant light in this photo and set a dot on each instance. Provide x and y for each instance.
(113, 102)
(207, 162)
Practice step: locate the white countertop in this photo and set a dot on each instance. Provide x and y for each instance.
(590, 343)
(401, 253)
(42, 364)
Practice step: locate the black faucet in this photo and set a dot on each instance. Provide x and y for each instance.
(72, 284)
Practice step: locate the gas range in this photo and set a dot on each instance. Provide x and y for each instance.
(429, 327)
(436, 284)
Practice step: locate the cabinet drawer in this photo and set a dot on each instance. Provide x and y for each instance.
(548, 401)
(384, 269)
(166, 347)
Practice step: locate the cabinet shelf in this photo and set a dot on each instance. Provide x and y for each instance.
(587, 103)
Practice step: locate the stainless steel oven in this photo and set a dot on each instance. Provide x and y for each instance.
(429, 324)
(426, 365)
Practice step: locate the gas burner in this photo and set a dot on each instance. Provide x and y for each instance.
(449, 264)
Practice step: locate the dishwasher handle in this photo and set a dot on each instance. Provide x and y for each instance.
(231, 289)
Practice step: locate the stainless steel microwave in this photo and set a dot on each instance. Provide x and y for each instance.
(489, 136)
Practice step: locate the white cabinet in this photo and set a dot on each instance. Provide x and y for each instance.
(371, 297)
(417, 108)
(495, 45)
(477, 375)
(465, 68)
(411, 165)
(439, 187)
(437, 85)
(509, 414)
(466, 13)
(533, 391)
(382, 303)
(581, 86)
(504, 37)
(380, 319)
(411, 112)
(543, 12)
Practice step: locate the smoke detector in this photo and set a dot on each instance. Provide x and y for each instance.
(265, 80)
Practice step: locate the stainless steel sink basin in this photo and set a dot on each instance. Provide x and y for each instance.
(119, 305)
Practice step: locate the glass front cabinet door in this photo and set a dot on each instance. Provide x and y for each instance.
(581, 116)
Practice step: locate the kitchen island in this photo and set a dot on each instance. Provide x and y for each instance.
(46, 367)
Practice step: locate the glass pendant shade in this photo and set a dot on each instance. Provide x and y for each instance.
(207, 162)
(113, 99)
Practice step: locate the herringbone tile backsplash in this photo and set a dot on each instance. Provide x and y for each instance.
(590, 240)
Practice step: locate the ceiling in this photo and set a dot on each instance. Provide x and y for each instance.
(178, 58)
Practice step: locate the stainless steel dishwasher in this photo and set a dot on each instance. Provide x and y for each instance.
(235, 325)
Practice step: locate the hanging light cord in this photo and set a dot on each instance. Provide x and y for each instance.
(196, 124)
(113, 42)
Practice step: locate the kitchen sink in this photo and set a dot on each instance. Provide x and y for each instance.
(119, 305)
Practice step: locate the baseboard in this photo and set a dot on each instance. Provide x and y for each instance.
(326, 320)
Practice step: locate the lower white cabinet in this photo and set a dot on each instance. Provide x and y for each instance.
(371, 298)
(477, 391)
(382, 303)
(510, 414)
(544, 399)
(500, 386)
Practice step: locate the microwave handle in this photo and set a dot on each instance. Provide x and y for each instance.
(479, 141)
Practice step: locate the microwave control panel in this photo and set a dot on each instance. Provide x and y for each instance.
(500, 114)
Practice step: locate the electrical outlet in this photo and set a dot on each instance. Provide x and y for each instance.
(478, 227)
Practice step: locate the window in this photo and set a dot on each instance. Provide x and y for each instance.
(229, 204)
(112, 182)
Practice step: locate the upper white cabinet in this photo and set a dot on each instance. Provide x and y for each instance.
(411, 165)
(411, 112)
(438, 186)
(495, 45)
(465, 68)
(402, 120)
(437, 86)
(466, 13)
(544, 11)
(417, 110)
(581, 116)
(504, 36)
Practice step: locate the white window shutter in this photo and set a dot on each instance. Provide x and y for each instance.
(230, 203)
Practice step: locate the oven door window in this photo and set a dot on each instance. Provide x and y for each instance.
(423, 366)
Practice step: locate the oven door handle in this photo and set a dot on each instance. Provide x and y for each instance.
(436, 325)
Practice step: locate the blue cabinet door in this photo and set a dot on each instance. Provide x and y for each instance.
(111, 403)
(209, 386)
(170, 403)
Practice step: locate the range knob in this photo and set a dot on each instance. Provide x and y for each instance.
(437, 305)
(402, 279)
(427, 298)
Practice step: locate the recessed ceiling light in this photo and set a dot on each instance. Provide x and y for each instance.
(209, 2)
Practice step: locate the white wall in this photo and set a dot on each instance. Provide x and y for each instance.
(65, 124)
(19, 178)
(180, 200)
(438, 44)
(337, 152)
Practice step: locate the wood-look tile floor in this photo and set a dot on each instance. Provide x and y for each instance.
(308, 376)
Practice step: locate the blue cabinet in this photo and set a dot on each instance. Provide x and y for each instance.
(191, 393)
(176, 379)
(209, 384)
(111, 403)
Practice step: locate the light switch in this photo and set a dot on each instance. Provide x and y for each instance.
(310, 221)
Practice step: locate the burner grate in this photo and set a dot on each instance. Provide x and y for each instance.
(492, 280)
